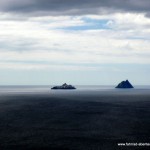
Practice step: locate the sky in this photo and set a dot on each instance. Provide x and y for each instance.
(80, 42)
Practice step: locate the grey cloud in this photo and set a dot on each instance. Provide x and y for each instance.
(74, 7)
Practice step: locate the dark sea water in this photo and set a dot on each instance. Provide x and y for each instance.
(88, 118)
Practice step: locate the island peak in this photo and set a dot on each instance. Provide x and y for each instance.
(124, 85)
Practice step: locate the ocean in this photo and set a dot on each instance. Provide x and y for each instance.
(88, 118)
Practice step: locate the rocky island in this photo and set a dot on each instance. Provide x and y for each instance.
(63, 87)
(124, 85)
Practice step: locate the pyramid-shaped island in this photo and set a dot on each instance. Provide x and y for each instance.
(124, 85)
(63, 87)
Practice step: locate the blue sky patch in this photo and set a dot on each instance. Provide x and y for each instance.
(90, 24)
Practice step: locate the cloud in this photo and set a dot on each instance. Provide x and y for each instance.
(40, 38)
(57, 40)
(74, 7)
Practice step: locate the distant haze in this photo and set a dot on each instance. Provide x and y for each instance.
(96, 42)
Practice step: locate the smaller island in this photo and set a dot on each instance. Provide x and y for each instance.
(124, 85)
(63, 87)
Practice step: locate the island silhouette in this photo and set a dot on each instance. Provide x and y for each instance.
(124, 85)
(63, 87)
